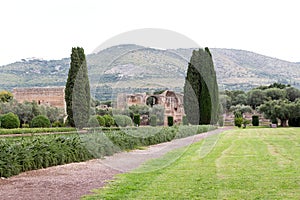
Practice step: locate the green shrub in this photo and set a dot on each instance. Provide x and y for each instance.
(170, 120)
(122, 120)
(93, 121)
(9, 121)
(245, 123)
(101, 120)
(40, 121)
(237, 114)
(255, 120)
(153, 120)
(185, 120)
(25, 126)
(57, 124)
(136, 119)
(109, 120)
(238, 121)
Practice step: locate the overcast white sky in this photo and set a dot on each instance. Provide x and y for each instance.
(49, 29)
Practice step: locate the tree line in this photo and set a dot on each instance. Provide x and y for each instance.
(276, 101)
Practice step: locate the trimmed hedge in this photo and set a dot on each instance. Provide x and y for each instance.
(101, 120)
(255, 120)
(109, 120)
(40, 121)
(170, 120)
(136, 119)
(35, 130)
(10, 121)
(122, 120)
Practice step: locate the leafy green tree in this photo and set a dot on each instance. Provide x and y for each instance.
(281, 109)
(275, 93)
(159, 112)
(292, 93)
(256, 97)
(201, 96)
(54, 113)
(240, 99)
(77, 92)
(225, 101)
(241, 109)
(153, 120)
(6, 96)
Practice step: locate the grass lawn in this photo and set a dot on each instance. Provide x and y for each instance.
(238, 164)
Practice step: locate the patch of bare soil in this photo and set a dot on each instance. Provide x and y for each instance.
(71, 181)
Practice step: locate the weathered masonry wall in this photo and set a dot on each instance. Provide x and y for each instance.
(52, 96)
(171, 101)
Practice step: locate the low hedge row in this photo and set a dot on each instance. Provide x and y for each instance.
(35, 130)
(23, 154)
(109, 142)
(28, 153)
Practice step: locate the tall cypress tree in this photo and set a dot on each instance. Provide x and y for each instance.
(77, 92)
(201, 96)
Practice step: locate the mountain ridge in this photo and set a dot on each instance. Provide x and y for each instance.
(134, 66)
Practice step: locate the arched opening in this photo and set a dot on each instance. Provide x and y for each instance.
(151, 101)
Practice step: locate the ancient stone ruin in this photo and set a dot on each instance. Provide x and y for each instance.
(171, 101)
(51, 96)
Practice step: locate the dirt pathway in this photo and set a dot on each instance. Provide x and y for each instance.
(71, 181)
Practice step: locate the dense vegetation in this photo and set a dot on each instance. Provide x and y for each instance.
(276, 101)
(28, 110)
(238, 164)
(27, 153)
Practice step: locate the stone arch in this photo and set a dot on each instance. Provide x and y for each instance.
(152, 100)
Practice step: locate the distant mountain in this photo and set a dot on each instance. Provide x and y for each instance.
(133, 68)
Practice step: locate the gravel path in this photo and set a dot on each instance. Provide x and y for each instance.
(71, 181)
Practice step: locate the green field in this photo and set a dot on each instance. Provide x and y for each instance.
(238, 164)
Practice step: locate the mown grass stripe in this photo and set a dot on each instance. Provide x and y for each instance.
(240, 166)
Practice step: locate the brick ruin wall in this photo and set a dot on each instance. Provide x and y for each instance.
(52, 96)
(171, 101)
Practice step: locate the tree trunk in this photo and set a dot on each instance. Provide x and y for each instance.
(283, 122)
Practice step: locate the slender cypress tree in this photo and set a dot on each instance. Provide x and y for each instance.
(191, 94)
(201, 96)
(77, 92)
